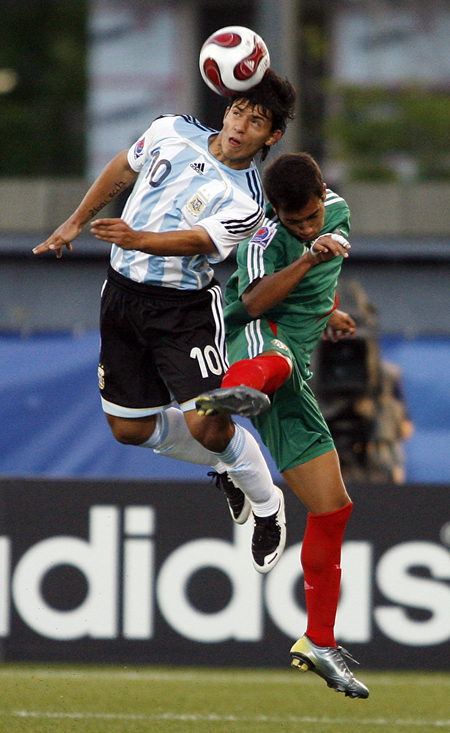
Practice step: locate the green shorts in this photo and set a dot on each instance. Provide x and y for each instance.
(293, 429)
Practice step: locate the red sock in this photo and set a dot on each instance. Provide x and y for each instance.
(321, 558)
(266, 372)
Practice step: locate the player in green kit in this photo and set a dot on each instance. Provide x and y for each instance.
(278, 304)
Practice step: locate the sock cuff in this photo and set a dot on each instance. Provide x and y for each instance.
(159, 433)
(235, 446)
(265, 372)
(348, 508)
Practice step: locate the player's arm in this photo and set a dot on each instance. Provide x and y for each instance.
(340, 325)
(272, 289)
(165, 244)
(116, 177)
(216, 235)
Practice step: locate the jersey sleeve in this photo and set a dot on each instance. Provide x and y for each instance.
(232, 223)
(337, 215)
(139, 152)
(258, 256)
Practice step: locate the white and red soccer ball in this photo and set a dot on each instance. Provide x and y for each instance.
(233, 59)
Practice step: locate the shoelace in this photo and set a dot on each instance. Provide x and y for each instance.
(215, 478)
(223, 483)
(267, 532)
(347, 654)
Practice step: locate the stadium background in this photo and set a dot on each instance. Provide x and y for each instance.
(358, 71)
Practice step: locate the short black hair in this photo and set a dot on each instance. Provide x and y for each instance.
(274, 95)
(292, 180)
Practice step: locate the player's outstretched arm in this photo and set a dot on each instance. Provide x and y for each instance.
(165, 244)
(117, 176)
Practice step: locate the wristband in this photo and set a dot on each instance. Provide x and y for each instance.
(337, 238)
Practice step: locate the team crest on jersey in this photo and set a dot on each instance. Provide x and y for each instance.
(197, 203)
(101, 376)
(139, 148)
(264, 236)
(279, 344)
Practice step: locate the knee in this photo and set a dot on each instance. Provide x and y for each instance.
(129, 431)
(213, 432)
(214, 442)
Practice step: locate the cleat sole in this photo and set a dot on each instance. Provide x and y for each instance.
(301, 664)
(244, 401)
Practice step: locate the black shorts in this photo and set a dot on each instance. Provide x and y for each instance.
(158, 346)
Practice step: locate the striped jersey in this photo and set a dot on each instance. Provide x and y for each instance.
(180, 185)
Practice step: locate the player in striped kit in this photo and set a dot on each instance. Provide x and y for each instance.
(279, 301)
(196, 195)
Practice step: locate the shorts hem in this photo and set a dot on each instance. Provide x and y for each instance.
(314, 452)
(132, 412)
(187, 406)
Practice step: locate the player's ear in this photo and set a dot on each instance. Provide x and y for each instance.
(226, 113)
(273, 137)
(324, 192)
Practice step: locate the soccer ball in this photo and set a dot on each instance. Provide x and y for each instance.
(233, 60)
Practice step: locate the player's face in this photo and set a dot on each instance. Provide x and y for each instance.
(246, 129)
(306, 223)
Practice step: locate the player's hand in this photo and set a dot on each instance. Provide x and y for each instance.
(61, 237)
(340, 325)
(328, 246)
(116, 232)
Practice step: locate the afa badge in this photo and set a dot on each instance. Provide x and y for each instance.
(198, 202)
(101, 376)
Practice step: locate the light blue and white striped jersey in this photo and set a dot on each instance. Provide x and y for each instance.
(180, 184)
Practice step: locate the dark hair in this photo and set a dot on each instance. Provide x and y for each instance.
(291, 180)
(275, 95)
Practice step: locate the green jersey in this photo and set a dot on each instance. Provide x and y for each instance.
(303, 314)
(293, 428)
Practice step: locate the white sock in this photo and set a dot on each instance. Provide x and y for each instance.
(242, 459)
(247, 468)
(172, 438)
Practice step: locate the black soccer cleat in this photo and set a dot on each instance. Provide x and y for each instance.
(238, 503)
(269, 538)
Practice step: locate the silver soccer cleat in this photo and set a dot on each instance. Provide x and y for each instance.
(328, 662)
(242, 400)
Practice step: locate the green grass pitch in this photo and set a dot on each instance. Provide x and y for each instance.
(68, 699)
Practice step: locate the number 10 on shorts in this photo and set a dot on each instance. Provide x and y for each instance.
(208, 360)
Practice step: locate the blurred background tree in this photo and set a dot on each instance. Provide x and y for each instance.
(42, 87)
(372, 80)
(392, 134)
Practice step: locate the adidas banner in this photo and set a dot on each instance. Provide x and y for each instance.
(157, 573)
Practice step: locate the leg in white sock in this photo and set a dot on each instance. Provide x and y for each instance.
(172, 438)
(242, 460)
(247, 468)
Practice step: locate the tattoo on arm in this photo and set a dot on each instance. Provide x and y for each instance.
(118, 187)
